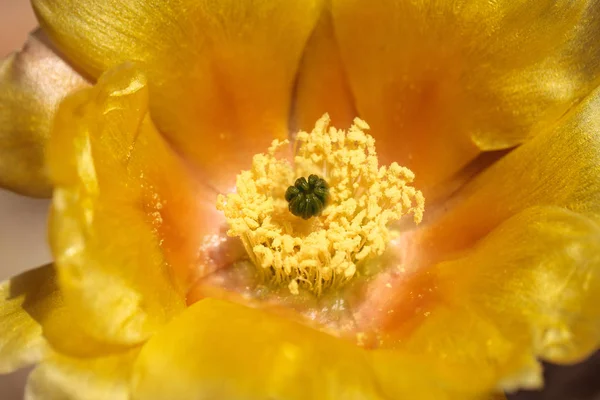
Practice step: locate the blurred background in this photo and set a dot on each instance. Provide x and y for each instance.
(23, 246)
(22, 220)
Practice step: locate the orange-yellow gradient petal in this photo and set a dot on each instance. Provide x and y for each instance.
(60, 377)
(32, 83)
(221, 73)
(219, 350)
(559, 167)
(440, 81)
(510, 269)
(112, 271)
(23, 300)
(527, 290)
(322, 85)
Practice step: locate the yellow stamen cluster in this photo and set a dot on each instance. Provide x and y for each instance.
(327, 250)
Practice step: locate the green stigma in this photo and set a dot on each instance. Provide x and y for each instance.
(307, 198)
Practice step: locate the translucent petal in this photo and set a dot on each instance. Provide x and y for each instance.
(23, 299)
(221, 73)
(528, 289)
(221, 350)
(32, 83)
(33, 314)
(103, 230)
(64, 378)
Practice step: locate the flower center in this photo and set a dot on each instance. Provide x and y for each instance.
(307, 198)
(361, 199)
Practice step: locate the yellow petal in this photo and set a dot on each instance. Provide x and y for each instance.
(529, 289)
(440, 81)
(538, 275)
(519, 248)
(33, 313)
(559, 167)
(221, 73)
(66, 378)
(32, 83)
(103, 229)
(23, 300)
(218, 350)
(322, 86)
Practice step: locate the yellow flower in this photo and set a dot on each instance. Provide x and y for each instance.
(492, 105)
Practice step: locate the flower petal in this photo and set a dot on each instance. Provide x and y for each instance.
(322, 85)
(33, 313)
(23, 299)
(103, 229)
(529, 289)
(32, 83)
(221, 73)
(219, 350)
(559, 167)
(65, 378)
(510, 267)
(440, 81)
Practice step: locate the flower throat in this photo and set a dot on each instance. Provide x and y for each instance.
(319, 232)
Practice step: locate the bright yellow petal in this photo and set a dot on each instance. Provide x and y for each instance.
(104, 223)
(538, 274)
(218, 350)
(64, 378)
(529, 289)
(559, 167)
(32, 83)
(23, 300)
(221, 73)
(439, 81)
(33, 313)
(519, 248)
